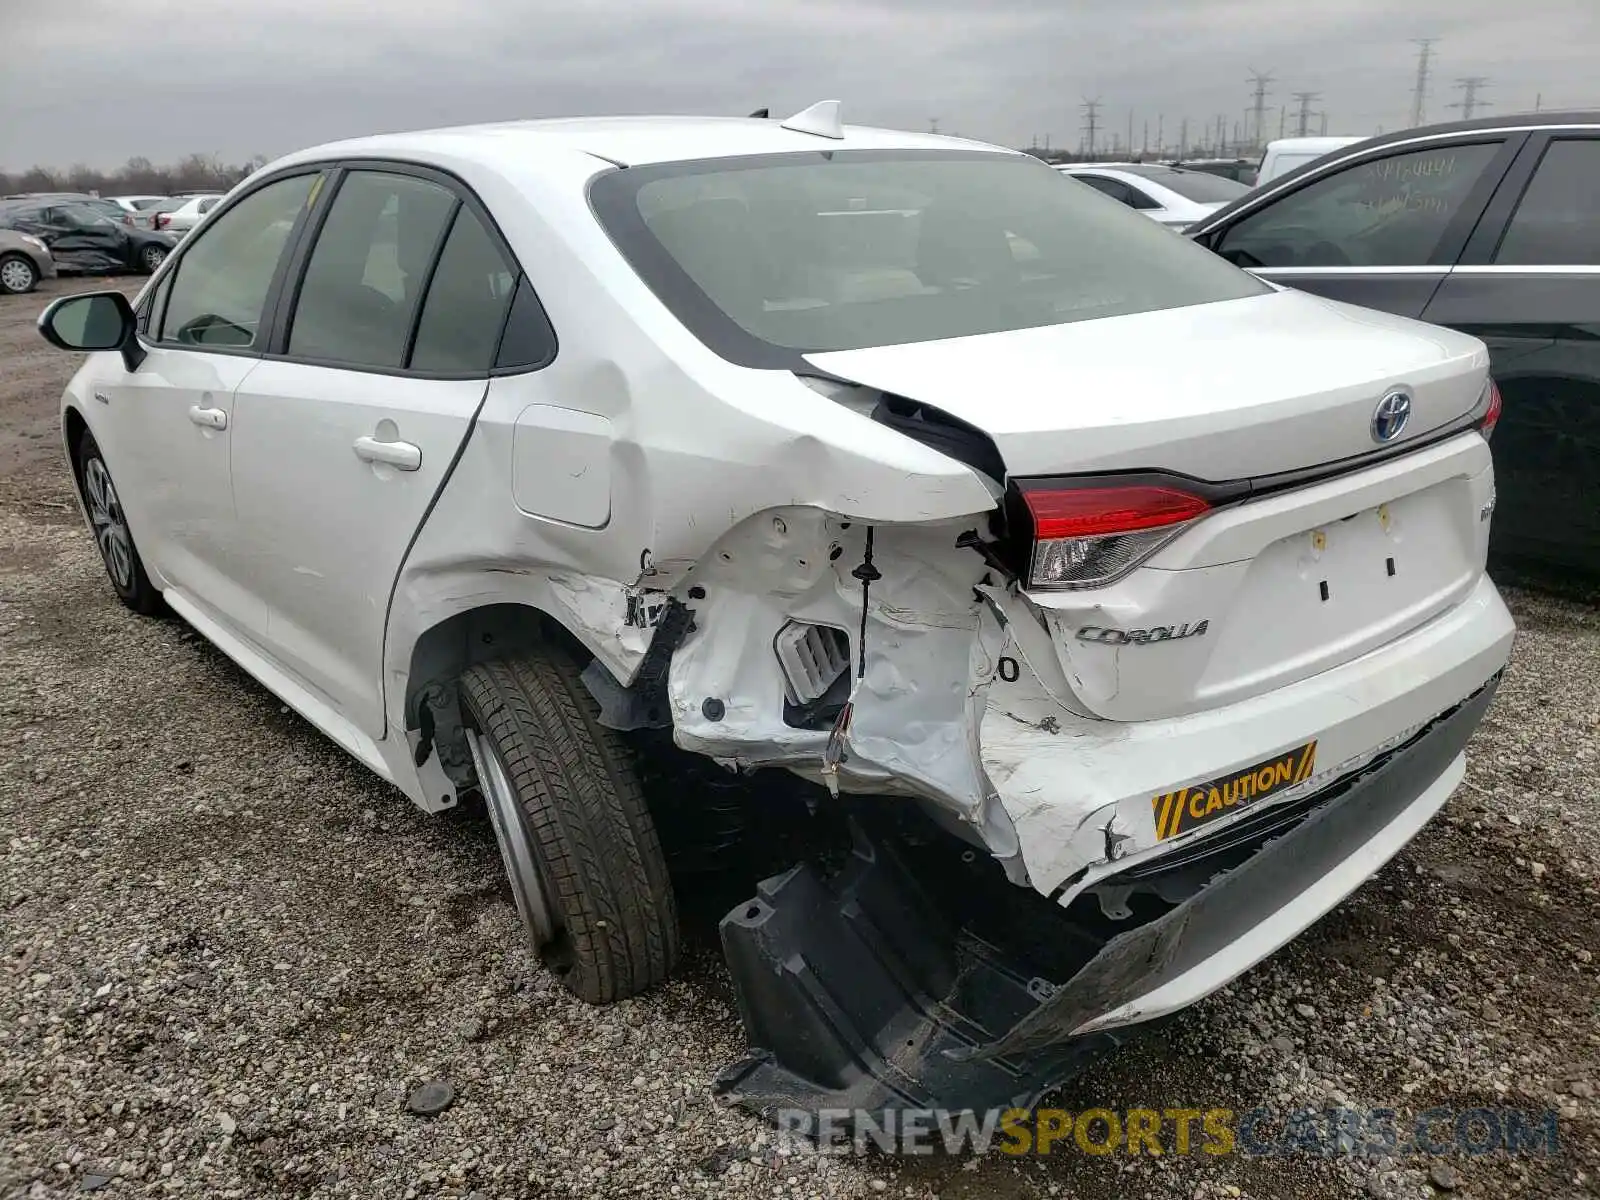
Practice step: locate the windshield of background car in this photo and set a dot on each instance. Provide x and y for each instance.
(767, 257)
(1199, 186)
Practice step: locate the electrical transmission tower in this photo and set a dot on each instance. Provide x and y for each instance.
(1091, 125)
(1419, 94)
(1258, 105)
(1303, 117)
(1470, 103)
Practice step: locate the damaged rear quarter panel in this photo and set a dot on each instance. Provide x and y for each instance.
(696, 446)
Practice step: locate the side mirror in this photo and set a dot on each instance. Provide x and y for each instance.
(94, 321)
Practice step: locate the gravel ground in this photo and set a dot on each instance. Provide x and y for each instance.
(230, 955)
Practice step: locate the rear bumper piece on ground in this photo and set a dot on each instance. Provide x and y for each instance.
(856, 995)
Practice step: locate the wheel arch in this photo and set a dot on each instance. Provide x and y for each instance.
(430, 711)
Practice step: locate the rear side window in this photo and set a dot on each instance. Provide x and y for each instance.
(1557, 222)
(466, 304)
(364, 280)
(1384, 212)
(222, 280)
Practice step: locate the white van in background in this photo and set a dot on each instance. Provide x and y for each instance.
(1285, 154)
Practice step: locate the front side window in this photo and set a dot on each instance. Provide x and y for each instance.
(223, 278)
(1557, 222)
(1384, 212)
(365, 277)
(1114, 188)
(767, 257)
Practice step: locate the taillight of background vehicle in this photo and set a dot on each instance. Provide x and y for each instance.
(160, 221)
(1089, 536)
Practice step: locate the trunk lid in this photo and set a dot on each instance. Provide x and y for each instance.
(1218, 391)
(1260, 593)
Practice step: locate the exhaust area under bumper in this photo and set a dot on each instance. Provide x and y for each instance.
(858, 993)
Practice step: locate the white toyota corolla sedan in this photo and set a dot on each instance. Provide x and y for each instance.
(1143, 593)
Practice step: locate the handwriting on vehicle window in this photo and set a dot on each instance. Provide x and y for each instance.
(1410, 185)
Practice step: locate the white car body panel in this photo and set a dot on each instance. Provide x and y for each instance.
(1285, 154)
(1088, 395)
(1172, 209)
(639, 465)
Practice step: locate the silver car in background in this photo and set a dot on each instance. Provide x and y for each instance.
(24, 261)
(180, 214)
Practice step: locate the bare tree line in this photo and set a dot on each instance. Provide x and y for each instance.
(137, 176)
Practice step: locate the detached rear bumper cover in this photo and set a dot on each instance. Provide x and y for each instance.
(857, 996)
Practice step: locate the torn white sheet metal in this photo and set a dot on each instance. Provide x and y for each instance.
(951, 709)
(931, 651)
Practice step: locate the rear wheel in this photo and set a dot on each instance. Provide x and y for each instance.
(575, 835)
(151, 258)
(111, 533)
(18, 276)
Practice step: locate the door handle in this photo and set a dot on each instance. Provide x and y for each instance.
(403, 456)
(208, 418)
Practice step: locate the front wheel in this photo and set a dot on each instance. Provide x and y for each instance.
(576, 837)
(18, 276)
(111, 533)
(151, 258)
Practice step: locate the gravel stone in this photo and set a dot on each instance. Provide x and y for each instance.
(432, 1098)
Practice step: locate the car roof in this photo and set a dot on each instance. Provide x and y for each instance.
(631, 141)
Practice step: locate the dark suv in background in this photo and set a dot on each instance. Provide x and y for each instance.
(1489, 226)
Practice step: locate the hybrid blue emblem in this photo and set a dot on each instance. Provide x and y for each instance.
(1390, 417)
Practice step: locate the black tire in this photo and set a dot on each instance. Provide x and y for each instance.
(18, 275)
(151, 258)
(578, 808)
(112, 536)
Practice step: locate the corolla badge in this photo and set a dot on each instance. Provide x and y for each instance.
(1390, 417)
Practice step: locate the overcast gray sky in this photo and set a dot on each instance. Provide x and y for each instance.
(97, 81)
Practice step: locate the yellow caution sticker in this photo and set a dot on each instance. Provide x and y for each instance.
(1191, 807)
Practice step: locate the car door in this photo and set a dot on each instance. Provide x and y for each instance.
(1528, 284)
(166, 427)
(346, 433)
(1380, 228)
(83, 238)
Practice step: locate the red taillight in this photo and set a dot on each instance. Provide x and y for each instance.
(1094, 512)
(1087, 537)
(1491, 414)
(161, 220)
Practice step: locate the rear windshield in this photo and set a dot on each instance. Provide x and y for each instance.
(1200, 186)
(769, 257)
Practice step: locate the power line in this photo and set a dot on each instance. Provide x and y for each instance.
(1303, 117)
(1091, 123)
(1258, 105)
(1469, 103)
(1419, 94)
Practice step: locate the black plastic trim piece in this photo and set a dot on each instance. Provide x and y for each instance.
(857, 995)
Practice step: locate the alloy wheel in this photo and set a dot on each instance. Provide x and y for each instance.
(110, 526)
(515, 840)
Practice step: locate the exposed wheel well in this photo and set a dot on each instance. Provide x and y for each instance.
(447, 650)
(72, 427)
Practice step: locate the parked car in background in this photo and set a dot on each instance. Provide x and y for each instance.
(1288, 154)
(109, 209)
(136, 204)
(24, 261)
(1489, 226)
(1152, 594)
(1176, 197)
(85, 240)
(179, 214)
